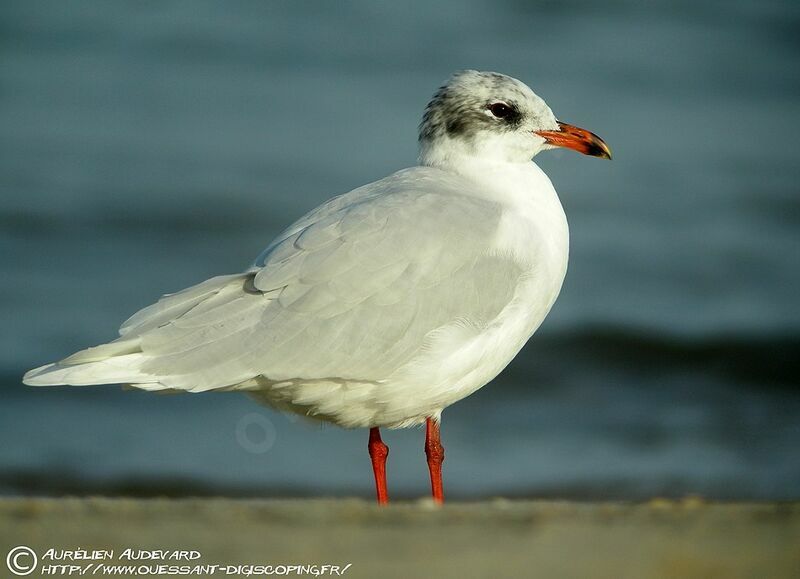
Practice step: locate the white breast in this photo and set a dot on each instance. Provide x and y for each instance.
(534, 232)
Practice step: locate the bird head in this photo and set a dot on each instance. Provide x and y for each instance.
(494, 116)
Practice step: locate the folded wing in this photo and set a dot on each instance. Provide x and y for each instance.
(350, 292)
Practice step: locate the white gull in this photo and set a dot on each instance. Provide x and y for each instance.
(387, 304)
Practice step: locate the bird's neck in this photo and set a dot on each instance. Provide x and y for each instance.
(445, 152)
(494, 172)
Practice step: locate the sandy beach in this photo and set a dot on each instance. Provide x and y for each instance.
(496, 538)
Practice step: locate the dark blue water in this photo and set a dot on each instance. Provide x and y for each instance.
(146, 146)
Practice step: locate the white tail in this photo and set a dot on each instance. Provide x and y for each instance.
(120, 361)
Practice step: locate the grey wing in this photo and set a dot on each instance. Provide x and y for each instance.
(348, 294)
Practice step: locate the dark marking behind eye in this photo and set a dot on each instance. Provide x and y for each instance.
(455, 126)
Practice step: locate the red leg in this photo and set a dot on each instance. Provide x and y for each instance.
(435, 453)
(378, 452)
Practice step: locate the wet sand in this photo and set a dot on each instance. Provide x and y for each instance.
(496, 538)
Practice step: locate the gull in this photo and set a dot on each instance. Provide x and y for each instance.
(383, 306)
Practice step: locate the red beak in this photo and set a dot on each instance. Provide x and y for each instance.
(577, 139)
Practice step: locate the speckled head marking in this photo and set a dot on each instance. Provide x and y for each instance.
(460, 107)
(484, 112)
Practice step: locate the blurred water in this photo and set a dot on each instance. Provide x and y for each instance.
(146, 146)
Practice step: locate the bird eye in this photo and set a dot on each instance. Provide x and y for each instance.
(500, 110)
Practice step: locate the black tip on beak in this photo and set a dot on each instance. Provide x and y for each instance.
(599, 150)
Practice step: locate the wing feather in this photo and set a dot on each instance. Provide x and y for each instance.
(350, 292)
